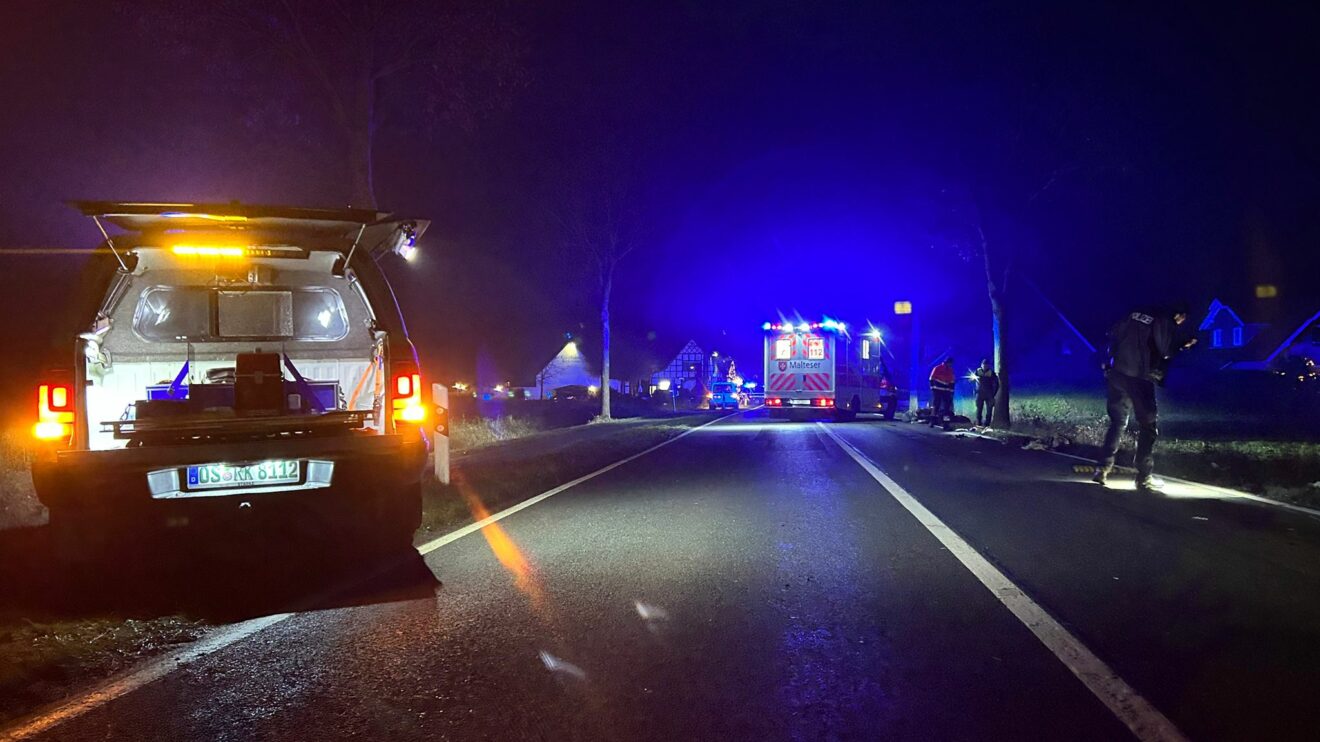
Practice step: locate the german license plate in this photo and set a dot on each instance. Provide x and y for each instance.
(800, 402)
(259, 474)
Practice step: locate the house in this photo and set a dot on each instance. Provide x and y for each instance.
(1277, 343)
(1223, 330)
(686, 370)
(569, 367)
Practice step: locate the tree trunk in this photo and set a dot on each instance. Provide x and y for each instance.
(360, 176)
(1002, 418)
(998, 289)
(607, 283)
(361, 132)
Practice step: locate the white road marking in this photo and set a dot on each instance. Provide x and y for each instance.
(148, 673)
(1145, 721)
(453, 536)
(158, 668)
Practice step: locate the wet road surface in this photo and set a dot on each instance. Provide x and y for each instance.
(752, 581)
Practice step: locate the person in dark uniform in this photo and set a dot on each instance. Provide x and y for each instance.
(987, 386)
(1140, 346)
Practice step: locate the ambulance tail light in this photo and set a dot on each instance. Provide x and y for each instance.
(823, 402)
(774, 402)
(54, 413)
(406, 395)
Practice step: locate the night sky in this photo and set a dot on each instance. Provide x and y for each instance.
(783, 156)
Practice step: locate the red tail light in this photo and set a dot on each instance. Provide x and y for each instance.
(774, 402)
(406, 399)
(823, 402)
(54, 413)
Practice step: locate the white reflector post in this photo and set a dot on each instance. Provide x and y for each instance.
(440, 398)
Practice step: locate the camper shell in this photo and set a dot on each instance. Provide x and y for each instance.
(228, 357)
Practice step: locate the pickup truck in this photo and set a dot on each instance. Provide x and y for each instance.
(234, 363)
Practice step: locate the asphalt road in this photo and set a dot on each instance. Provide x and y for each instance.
(752, 581)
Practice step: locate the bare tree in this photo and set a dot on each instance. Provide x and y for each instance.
(990, 238)
(597, 215)
(1032, 135)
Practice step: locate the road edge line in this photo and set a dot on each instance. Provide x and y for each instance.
(1144, 720)
(471, 528)
(121, 685)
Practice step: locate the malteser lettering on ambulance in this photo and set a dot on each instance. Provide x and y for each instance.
(806, 365)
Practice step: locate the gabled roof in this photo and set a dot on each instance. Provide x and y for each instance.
(1289, 340)
(535, 361)
(690, 347)
(1216, 307)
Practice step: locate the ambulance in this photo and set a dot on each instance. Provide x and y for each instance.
(821, 369)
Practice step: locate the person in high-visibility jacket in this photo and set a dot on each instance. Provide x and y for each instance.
(941, 390)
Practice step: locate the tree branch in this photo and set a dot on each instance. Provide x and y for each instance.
(312, 61)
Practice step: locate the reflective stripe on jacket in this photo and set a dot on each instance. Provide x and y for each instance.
(941, 377)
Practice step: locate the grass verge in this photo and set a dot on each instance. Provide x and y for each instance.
(41, 661)
(18, 502)
(470, 433)
(1283, 470)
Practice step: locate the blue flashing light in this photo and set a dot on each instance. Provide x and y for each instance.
(766, 326)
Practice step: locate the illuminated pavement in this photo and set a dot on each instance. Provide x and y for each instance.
(751, 581)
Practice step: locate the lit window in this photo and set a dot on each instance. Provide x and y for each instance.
(1237, 335)
(1217, 339)
(866, 349)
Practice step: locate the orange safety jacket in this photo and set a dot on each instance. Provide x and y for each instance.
(941, 377)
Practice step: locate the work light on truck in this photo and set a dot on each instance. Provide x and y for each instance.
(211, 251)
(54, 412)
